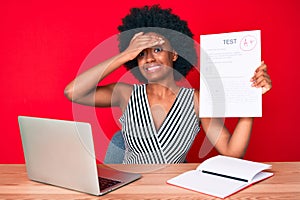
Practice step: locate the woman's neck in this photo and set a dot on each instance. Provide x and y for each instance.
(160, 89)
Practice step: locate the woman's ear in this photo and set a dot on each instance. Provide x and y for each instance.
(175, 55)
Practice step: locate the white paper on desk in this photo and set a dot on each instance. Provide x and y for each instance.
(227, 63)
(227, 176)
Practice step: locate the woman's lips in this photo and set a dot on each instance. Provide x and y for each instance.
(151, 69)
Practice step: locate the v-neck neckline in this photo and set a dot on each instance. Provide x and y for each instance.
(157, 131)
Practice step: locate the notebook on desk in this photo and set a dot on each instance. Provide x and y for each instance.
(222, 176)
(61, 153)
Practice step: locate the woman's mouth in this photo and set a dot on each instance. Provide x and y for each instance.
(151, 69)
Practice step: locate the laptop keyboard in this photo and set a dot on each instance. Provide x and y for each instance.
(106, 183)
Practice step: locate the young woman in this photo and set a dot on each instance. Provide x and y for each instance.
(160, 119)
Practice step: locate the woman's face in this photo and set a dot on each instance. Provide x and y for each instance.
(156, 63)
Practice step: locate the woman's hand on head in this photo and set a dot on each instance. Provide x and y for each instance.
(141, 41)
(261, 78)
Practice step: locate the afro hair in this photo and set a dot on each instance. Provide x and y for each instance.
(163, 22)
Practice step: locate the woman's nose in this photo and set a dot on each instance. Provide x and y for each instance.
(150, 57)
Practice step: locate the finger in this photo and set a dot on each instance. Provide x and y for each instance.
(136, 35)
(262, 70)
(150, 41)
(143, 42)
(158, 42)
(262, 67)
(259, 82)
(258, 75)
(262, 82)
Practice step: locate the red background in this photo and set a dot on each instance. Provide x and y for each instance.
(43, 46)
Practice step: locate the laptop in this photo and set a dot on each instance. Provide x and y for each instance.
(61, 153)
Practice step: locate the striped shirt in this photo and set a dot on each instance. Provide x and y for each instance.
(171, 142)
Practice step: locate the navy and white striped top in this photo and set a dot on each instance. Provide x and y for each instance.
(171, 142)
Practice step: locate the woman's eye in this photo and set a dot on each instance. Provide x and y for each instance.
(141, 54)
(157, 49)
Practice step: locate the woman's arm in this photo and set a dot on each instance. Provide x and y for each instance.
(234, 144)
(84, 90)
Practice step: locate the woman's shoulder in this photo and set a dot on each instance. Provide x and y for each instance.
(122, 91)
(195, 91)
(126, 89)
